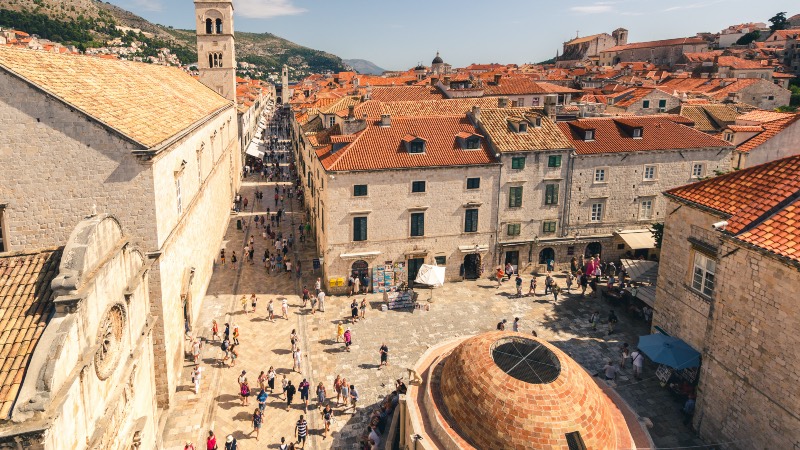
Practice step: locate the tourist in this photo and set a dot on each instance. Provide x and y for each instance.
(322, 394)
(337, 386)
(502, 325)
(348, 339)
(230, 443)
(518, 282)
(225, 346)
(532, 287)
(214, 330)
(350, 284)
(305, 296)
(236, 334)
(313, 304)
(637, 360)
(261, 398)
(233, 261)
(211, 441)
(298, 360)
(283, 445)
(625, 353)
(196, 346)
(340, 332)
(290, 391)
(196, 379)
(301, 429)
(293, 340)
(253, 301)
(570, 279)
(321, 301)
(284, 384)
(594, 319)
(354, 311)
(363, 307)
(353, 397)
(270, 311)
(345, 393)
(271, 379)
(374, 437)
(548, 283)
(262, 380)
(257, 419)
(499, 275)
(356, 285)
(555, 289)
(243, 301)
(573, 265)
(612, 321)
(244, 388)
(318, 285)
(610, 371)
(327, 417)
(222, 257)
(515, 325)
(304, 387)
(583, 281)
(285, 309)
(234, 353)
(384, 351)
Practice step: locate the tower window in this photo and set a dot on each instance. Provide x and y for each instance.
(214, 60)
(209, 26)
(219, 26)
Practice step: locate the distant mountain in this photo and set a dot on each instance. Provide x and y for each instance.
(92, 23)
(364, 66)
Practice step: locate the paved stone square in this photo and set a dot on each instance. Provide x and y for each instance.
(457, 309)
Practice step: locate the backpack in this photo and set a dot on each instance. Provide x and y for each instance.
(245, 390)
(225, 345)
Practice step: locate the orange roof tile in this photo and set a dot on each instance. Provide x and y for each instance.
(768, 131)
(25, 305)
(405, 93)
(746, 128)
(761, 204)
(613, 135)
(523, 86)
(381, 148)
(739, 63)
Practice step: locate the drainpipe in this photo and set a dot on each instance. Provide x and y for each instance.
(497, 212)
(568, 197)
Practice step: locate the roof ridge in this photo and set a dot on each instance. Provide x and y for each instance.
(776, 209)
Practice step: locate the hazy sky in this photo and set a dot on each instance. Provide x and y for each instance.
(400, 34)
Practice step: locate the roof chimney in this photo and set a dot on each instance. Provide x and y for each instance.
(386, 120)
(446, 81)
(497, 77)
(476, 113)
(351, 111)
(502, 102)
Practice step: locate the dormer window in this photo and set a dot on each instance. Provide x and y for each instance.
(473, 143)
(523, 127)
(416, 147)
(588, 135)
(637, 133)
(537, 122)
(729, 136)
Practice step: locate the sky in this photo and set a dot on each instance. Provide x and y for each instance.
(401, 34)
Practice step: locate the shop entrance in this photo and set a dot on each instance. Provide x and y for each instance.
(593, 249)
(512, 257)
(472, 266)
(413, 268)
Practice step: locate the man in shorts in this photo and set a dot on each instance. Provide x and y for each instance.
(301, 430)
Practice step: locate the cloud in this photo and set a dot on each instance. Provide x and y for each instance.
(149, 5)
(265, 9)
(592, 9)
(690, 6)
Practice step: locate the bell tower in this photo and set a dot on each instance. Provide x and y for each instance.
(216, 46)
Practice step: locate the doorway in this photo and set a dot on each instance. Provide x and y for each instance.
(593, 249)
(547, 255)
(512, 257)
(413, 268)
(472, 266)
(360, 270)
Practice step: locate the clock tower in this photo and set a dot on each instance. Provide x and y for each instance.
(216, 46)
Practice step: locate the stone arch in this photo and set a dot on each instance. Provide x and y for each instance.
(593, 249)
(209, 26)
(546, 255)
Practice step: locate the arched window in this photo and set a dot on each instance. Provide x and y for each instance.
(209, 26)
(219, 26)
(546, 255)
(214, 60)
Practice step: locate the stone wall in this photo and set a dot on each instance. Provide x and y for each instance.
(389, 204)
(625, 187)
(784, 144)
(56, 164)
(653, 97)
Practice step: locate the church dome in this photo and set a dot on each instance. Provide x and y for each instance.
(509, 390)
(438, 59)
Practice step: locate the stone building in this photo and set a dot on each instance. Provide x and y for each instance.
(522, 393)
(146, 143)
(216, 52)
(641, 101)
(415, 190)
(763, 136)
(586, 50)
(752, 91)
(617, 173)
(79, 369)
(667, 52)
(533, 168)
(730, 264)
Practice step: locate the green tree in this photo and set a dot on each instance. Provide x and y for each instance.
(749, 37)
(779, 22)
(658, 233)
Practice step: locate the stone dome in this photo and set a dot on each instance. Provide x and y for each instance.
(437, 59)
(514, 391)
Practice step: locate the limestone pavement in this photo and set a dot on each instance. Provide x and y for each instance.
(457, 309)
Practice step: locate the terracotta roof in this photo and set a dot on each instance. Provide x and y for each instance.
(717, 88)
(378, 148)
(25, 303)
(739, 63)
(709, 118)
(405, 93)
(761, 203)
(661, 43)
(614, 135)
(148, 103)
(762, 115)
(523, 86)
(746, 128)
(546, 137)
(340, 105)
(768, 131)
(448, 107)
(584, 39)
(632, 96)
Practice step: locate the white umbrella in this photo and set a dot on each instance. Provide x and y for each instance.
(431, 275)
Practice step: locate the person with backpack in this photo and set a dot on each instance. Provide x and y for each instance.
(518, 282)
(555, 289)
(290, 391)
(225, 346)
(244, 389)
(612, 321)
(262, 399)
(231, 444)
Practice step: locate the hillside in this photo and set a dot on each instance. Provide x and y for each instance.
(91, 24)
(364, 66)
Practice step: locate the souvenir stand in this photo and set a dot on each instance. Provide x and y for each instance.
(387, 278)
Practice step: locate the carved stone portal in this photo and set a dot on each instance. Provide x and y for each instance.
(110, 339)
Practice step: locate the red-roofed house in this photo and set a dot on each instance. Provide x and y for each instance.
(618, 171)
(641, 101)
(728, 279)
(412, 190)
(763, 136)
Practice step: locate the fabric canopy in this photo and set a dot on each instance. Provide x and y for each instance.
(647, 294)
(669, 351)
(638, 239)
(430, 275)
(641, 271)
